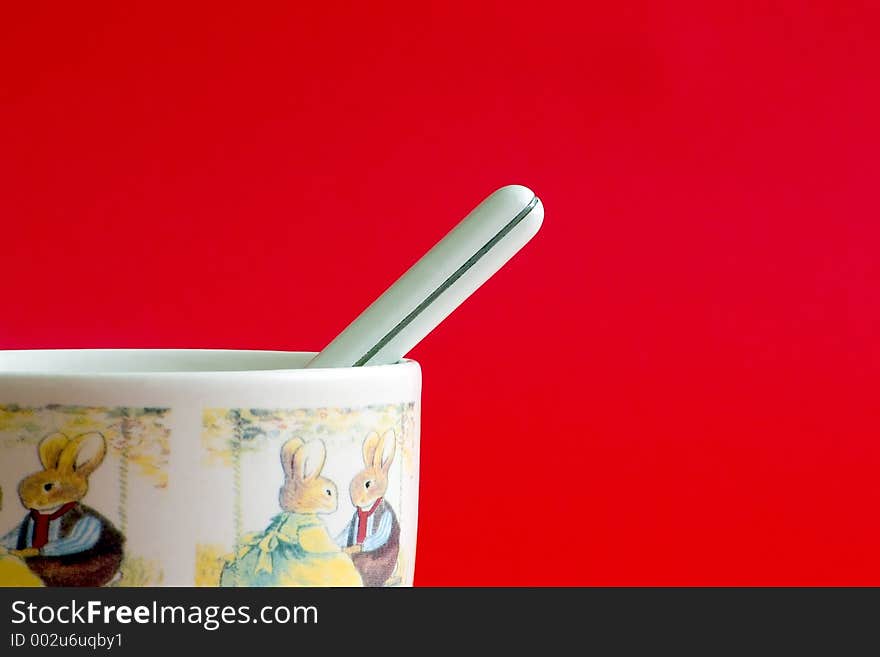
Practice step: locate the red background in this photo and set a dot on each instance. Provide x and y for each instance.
(675, 383)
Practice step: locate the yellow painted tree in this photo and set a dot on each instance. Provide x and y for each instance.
(227, 433)
(141, 439)
(137, 436)
(19, 426)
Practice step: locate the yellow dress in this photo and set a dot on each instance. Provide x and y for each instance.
(295, 550)
(14, 572)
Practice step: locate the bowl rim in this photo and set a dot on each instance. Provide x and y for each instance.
(177, 362)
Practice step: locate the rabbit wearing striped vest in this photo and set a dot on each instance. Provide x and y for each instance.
(63, 541)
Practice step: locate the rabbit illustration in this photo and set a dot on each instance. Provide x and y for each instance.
(296, 550)
(63, 541)
(14, 571)
(372, 538)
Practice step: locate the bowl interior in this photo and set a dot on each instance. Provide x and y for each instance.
(105, 361)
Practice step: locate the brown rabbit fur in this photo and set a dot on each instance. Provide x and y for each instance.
(366, 489)
(371, 483)
(65, 472)
(64, 480)
(304, 490)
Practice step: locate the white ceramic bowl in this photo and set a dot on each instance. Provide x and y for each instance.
(206, 468)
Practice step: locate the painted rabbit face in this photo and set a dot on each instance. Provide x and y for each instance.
(305, 490)
(372, 482)
(67, 465)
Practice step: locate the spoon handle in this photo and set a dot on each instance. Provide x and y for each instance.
(435, 285)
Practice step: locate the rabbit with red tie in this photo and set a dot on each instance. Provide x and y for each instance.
(372, 537)
(63, 541)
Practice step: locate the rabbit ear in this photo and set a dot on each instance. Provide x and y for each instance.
(287, 451)
(309, 460)
(50, 449)
(371, 442)
(384, 453)
(83, 454)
